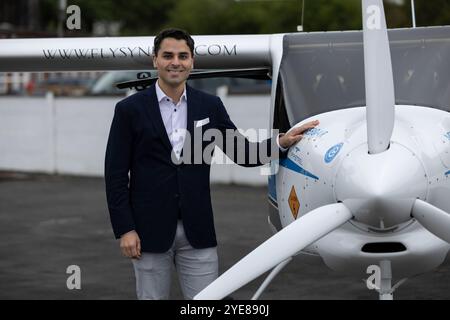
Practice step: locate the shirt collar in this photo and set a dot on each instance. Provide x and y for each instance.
(161, 95)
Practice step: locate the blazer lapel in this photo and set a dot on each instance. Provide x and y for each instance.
(192, 112)
(155, 116)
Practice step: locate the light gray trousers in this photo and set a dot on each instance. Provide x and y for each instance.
(196, 269)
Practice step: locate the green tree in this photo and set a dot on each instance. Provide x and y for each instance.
(147, 17)
(236, 17)
(138, 17)
(432, 13)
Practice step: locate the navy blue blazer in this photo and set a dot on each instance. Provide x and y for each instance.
(146, 191)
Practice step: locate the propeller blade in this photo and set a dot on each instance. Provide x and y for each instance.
(432, 218)
(380, 98)
(284, 244)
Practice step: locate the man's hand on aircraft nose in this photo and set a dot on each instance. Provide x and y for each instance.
(296, 134)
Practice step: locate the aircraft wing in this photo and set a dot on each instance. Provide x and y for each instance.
(254, 73)
(128, 53)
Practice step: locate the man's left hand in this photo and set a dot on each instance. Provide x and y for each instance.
(296, 134)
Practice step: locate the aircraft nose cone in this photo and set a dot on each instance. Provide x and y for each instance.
(380, 189)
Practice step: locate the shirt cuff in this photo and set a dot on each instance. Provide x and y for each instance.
(278, 143)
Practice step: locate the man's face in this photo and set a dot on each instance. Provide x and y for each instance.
(173, 61)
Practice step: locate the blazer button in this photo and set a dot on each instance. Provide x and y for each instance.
(177, 196)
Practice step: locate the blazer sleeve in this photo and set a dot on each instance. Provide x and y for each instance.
(117, 166)
(238, 148)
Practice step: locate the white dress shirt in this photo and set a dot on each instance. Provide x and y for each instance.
(174, 117)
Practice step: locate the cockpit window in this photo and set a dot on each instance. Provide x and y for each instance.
(321, 72)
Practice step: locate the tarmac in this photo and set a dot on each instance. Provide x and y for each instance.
(50, 222)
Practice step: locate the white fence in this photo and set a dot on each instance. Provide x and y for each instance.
(69, 135)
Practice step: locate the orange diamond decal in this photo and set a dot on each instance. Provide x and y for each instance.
(294, 204)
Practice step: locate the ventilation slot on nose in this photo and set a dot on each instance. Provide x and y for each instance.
(383, 247)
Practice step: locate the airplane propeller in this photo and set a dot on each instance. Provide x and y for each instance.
(380, 105)
(284, 244)
(380, 98)
(432, 218)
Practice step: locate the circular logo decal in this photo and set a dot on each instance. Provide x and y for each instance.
(333, 152)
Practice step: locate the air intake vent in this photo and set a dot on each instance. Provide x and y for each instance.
(383, 247)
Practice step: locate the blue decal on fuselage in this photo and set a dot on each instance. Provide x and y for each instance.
(296, 159)
(333, 152)
(291, 165)
(447, 173)
(315, 132)
(447, 135)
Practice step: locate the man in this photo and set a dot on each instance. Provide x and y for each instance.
(158, 198)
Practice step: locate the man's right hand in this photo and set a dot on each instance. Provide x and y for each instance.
(130, 245)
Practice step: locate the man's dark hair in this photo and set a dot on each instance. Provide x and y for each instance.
(177, 34)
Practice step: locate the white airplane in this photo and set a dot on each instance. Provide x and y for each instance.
(367, 190)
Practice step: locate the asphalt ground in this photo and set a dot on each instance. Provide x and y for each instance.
(48, 223)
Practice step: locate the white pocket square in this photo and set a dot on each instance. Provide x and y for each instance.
(200, 123)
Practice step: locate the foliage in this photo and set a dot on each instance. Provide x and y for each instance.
(147, 17)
